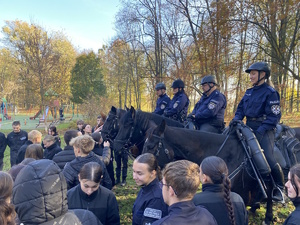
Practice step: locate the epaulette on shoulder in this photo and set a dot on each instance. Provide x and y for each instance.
(271, 89)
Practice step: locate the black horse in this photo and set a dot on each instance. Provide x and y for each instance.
(171, 143)
(111, 126)
(133, 127)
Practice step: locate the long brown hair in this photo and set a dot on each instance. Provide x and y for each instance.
(7, 210)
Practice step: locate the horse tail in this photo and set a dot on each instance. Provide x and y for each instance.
(227, 186)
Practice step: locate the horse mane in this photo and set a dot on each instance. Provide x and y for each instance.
(157, 119)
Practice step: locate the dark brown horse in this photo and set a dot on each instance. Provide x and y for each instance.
(171, 143)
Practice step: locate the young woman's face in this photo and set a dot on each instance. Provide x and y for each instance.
(291, 192)
(254, 76)
(88, 129)
(141, 174)
(88, 186)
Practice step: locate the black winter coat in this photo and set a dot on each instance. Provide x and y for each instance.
(40, 196)
(102, 203)
(72, 169)
(186, 213)
(3, 144)
(212, 199)
(51, 151)
(65, 156)
(16, 140)
(22, 151)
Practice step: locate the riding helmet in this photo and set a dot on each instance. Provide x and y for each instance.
(209, 79)
(260, 66)
(160, 86)
(178, 84)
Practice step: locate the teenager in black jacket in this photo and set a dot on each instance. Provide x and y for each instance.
(227, 207)
(51, 147)
(67, 155)
(83, 146)
(90, 195)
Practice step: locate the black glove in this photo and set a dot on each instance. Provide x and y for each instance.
(234, 122)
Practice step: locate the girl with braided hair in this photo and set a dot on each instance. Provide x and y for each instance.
(227, 207)
(7, 210)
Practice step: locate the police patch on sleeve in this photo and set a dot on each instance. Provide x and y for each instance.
(153, 213)
(275, 109)
(175, 105)
(212, 105)
(162, 106)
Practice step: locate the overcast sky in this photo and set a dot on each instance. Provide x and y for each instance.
(88, 24)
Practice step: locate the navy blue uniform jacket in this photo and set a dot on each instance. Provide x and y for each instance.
(161, 104)
(149, 205)
(180, 102)
(259, 101)
(210, 107)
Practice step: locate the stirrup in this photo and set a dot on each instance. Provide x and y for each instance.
(277, 198)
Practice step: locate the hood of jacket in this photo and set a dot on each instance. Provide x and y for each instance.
(40, 192)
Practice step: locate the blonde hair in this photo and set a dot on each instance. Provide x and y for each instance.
(34, 134)
(85, 143)
(183, 177)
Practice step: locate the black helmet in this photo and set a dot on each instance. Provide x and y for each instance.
(178, 84)
(260, 66)
(208, 79)
(160, 86)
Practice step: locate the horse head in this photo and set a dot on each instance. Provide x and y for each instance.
(111, 126)
(126, 125)
(156, 145)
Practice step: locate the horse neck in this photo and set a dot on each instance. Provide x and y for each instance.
(142, 121)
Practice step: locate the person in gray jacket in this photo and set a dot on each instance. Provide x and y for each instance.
(40, 197)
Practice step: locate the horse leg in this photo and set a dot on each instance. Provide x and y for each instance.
(269, 212)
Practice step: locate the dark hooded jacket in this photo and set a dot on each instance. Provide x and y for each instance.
(40, 197)
(22, 151)
(65, 156)
(72, 169)
(51, 151)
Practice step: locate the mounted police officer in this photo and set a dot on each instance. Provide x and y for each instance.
(163, 99)
(261, 106)
(208, 114)
(178, 107)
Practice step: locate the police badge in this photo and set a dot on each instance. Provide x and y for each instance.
(275, 109)
(211, 105)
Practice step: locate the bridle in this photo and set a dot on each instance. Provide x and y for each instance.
(160, 146)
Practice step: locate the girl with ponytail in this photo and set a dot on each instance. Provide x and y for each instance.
(227, 207)
(7, 210)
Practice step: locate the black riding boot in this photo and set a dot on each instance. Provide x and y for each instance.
(277, 174)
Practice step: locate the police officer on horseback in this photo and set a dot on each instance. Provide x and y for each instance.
(208, 113)
(261, 106)
(178, 107)
(163, 99)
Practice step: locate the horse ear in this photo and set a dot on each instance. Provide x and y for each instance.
(161, 127)
(113, 109)
(132, 110)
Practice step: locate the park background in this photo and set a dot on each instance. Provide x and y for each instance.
(155, 41)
